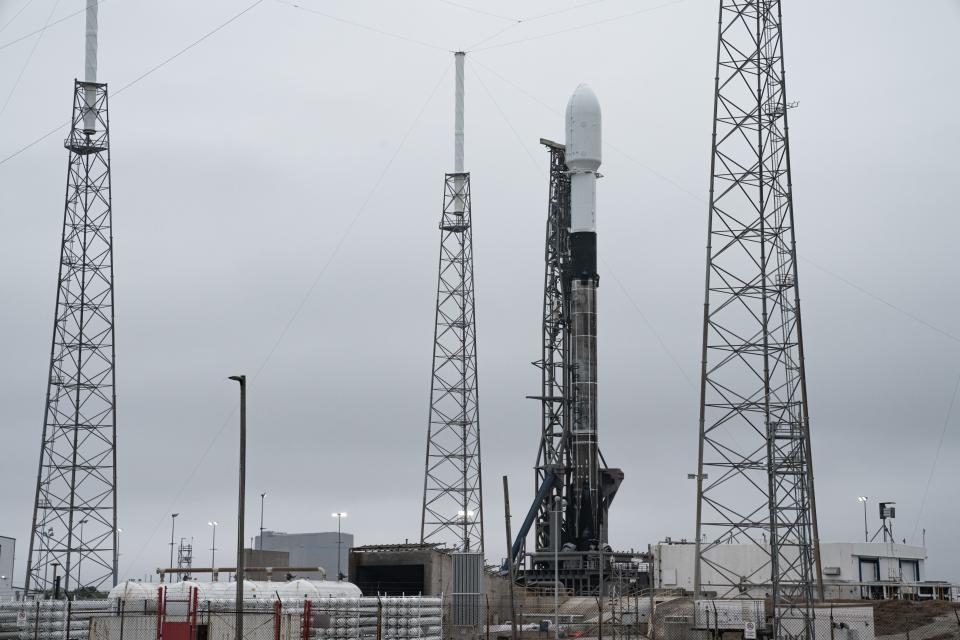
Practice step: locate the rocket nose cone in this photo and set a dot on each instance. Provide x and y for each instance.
(583, 98)
(583, 129)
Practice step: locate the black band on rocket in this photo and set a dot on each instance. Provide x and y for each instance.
(583, 254)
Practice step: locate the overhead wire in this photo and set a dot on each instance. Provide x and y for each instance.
(582, 26)
(364, 26)
(537, 166)
(187, 48)
(16, 15)
(44, 28)
(26, 62)
(137, 79)
(480, 11)
(299, 308)
(936, 457)
(524, 21)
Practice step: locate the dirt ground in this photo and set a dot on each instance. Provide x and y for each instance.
(899, 616)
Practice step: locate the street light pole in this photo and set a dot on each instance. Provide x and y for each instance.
(119, 531)
(262, 495)
(80, 558)
(241, 502)
(173, 528)
(213, 549)
(866, 532)
(340, 515)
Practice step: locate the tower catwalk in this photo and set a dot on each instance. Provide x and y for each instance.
(74, 530)
(452, 496)
(755, 478)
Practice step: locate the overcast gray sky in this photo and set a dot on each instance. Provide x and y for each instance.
(276, 180)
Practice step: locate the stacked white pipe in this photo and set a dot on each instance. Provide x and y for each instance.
(337, 611)
(401, 618)
(50, 619)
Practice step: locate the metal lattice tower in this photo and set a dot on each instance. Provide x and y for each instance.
(553, 456)
(74, 530)
(452, 497)
(755, 478)
(75, 516)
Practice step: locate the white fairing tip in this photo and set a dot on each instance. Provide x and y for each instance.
(583, 130)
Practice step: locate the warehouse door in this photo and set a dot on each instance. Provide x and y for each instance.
(909, 570)
(870, 572)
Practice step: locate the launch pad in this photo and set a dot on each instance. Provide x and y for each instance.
(569, 513)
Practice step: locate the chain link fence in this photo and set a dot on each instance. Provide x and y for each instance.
(386, 618)
(662, 617)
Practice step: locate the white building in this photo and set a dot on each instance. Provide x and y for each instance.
(310, 550)
(870, 570)
(8, 548)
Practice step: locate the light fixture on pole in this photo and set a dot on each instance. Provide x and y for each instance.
(866, 533)
(80, 559)
(213, 548)
(339, 515)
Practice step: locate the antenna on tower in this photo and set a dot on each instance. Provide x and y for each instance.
(452, 497)
(75, 505)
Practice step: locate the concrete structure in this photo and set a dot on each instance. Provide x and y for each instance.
(398, 569)
(868, 570)
(8, 548)
(310, 549)
(425, 569)
(266, 558)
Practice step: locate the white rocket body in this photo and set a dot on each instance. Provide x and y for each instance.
(583, 155)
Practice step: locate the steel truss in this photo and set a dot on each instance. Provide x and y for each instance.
(74, 533)
(755, 478)
(553, 456)
(452, 496)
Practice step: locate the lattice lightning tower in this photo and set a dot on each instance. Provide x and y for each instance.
(755, 478)
(452, 496)
(74, 532)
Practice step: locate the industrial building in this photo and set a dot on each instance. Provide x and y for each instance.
(327, 549)
(8, 549)
(851, 570)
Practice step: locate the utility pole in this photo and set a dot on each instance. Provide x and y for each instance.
(506, 519)
(241, 502)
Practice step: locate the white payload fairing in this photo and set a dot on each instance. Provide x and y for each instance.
(583, 157)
